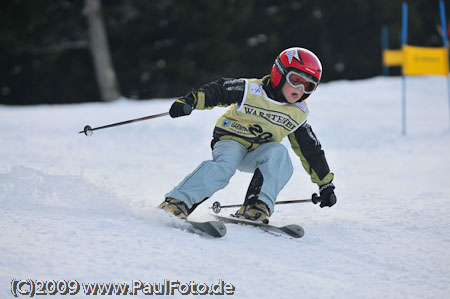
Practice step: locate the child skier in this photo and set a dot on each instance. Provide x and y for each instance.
(247, 137)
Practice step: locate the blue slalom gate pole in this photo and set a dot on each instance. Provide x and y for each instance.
(384, 47)
(445, 42)
(404, 41)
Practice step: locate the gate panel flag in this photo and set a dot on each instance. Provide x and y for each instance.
(393, 57)
(425, 61)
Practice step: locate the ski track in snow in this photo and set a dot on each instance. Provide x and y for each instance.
(79, 208)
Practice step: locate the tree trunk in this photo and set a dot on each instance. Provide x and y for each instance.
(98, 44)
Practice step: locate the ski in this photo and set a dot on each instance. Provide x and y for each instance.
(291, 230)
(214, 229)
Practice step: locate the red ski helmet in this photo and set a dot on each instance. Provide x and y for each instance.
(298, 60)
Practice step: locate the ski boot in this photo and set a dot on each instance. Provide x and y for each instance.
(175, 207)
(255, 211)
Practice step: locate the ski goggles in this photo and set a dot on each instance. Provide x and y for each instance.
(301, 80)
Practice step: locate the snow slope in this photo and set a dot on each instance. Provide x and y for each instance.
(83, 208)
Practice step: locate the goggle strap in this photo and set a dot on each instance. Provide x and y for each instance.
(280, 67)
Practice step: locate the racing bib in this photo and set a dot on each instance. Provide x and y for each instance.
(259, 119)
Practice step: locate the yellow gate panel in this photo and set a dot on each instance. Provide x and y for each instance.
(425, 61)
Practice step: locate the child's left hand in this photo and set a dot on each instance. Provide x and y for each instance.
(327, 196)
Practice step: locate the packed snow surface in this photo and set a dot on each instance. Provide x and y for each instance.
(83, 209)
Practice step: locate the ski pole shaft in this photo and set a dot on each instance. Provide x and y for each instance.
(216, 207)
(88, 130)
(283, 202)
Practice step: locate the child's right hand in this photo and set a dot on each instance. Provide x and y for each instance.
(180, 108)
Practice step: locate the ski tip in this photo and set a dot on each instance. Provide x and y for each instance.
(219, 227)
(214, 229)
(295, 231)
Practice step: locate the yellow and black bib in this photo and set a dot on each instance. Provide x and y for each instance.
(260, 119)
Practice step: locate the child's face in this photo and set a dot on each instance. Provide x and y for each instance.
(292, 94)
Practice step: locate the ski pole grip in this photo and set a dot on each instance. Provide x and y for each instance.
(187, 109)
(315, 198)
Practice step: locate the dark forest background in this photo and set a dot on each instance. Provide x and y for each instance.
(164, 48)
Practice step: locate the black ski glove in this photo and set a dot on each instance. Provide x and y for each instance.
(183, 106)
(327, 196)
(180, 108)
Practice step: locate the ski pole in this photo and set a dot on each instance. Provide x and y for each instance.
(89, 131)
(216, 207)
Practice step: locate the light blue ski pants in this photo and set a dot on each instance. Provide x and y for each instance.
(272, 159)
